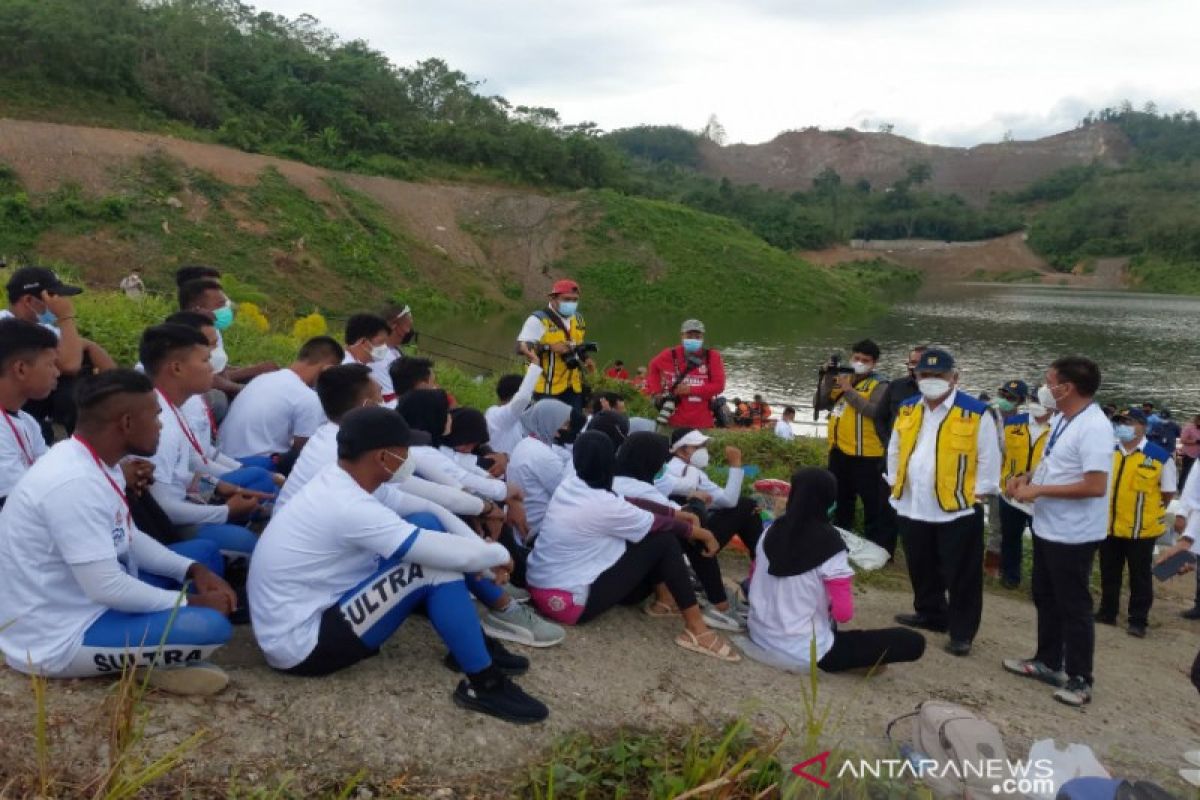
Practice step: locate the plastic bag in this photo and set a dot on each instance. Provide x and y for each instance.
(864, 554)
(1074, 761)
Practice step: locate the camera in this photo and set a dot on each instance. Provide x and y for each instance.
(836, 366)
(665, 411)
(578, 353)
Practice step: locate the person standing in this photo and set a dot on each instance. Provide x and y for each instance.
(689, 375)
(1025, 436)
(943, 462)
(897, 392)
(1010, 397)
(554, 334)
(1143, 482)
(783, 428)
(1069, 492)
(856, 450)
(1189, 437)
(132, 285)
(399, 318)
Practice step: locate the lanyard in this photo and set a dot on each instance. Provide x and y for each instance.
(1057, 432)
(26, 450)
(100, 465)
(183, 426)
(212, 420)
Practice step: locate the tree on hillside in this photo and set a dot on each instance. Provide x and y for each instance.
(828, 184)
(886, 127)
(713, 130)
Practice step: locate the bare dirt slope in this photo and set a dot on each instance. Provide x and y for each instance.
(392, 715)
(791, 160)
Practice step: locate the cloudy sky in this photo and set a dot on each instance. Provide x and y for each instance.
(954, 72)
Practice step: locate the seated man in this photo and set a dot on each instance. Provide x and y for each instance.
(410, 374)
(337, 573)
(82, 592)
(367, 340)
(27, 372)
(176, 358)
(514, 393)
(274, 415)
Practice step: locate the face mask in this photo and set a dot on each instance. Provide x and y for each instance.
(692, 345)
(934, 388)
(860, 367)
(1004, 406)
(1125, 433)
(223, 317)
(1046, 397)
(568, 308)
(380, 352)
(47, 317)
(406, 470)
(394, 472)
(699, 459)
(219, 359)
(1037, 410)
(408, 337)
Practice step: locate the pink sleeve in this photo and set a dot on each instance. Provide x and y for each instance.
(841, 600)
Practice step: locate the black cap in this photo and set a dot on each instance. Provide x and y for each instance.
(1016, 388)
(1132, 414)
(372, 428)
(35, 280)
(935, 361)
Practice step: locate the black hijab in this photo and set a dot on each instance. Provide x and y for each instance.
(426, 410)
(467, 426)
(643, 455)
(595, 460)
(803, 538)
(612, 424)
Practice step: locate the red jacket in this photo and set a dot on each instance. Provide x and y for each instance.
(694, 409)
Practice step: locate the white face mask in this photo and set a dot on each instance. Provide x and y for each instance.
(219, 359)
(934, 388)
(1037, 410)
(699, 459)
(406, 470)
(1046, 397)
(860, 367)
(380, 352)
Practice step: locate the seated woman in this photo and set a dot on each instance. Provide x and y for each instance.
(596, 550)
(428, 410)
(536, 466)
(802, 588)
(640, 458)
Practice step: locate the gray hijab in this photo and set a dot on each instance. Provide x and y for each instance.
(544, 418)
(642, 425)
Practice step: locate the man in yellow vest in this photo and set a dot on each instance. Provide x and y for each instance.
(1025, 434)
(555, 335)
(1143, 482)
(856, 400)
(943, 462)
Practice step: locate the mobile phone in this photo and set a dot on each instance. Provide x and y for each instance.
(1170, 568)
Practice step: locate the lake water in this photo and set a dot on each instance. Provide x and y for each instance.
(1144, 343)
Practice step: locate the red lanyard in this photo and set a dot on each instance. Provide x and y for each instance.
(100, 465)
(212, 420)
(26, 450)
(183, 426)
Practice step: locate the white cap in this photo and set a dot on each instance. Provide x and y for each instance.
(690, 439)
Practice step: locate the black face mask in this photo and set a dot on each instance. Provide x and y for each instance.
(566, 437)
(411, 336)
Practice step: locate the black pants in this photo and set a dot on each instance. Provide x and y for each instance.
(1013, 522)
(337, 647)
(889, 522)
(743, 520)
(945, 565)
(1196, 672)
(1115, 553)
(1184, 469)
(858, 477)
(656, 559)
(519, 554)
(1066, 631)
(861, 649)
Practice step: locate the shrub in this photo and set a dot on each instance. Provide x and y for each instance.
(307, 327)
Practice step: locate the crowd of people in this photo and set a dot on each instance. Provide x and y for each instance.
(148, 509)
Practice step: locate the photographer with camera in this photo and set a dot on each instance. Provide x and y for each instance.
(555, 336)
(856, 396)
(685, 379)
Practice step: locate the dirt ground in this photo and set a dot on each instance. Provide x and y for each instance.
(392, 715)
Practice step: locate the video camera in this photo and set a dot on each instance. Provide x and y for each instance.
(579, 353)
(833, 366)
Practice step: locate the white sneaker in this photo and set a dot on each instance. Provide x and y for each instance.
(721, 620)
(518, 624)
(1192, 776)
(518, 594)
(200, 679)
(1192, 757)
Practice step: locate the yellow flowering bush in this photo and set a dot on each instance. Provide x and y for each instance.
(306, 328)
(252, 315)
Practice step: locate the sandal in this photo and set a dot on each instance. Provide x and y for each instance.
(709, 643)
(657, 609)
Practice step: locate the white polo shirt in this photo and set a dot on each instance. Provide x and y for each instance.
(1081, 444)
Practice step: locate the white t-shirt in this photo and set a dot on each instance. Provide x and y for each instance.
(6, 314)
(537, 470)
(272, 410)
(319, 452)
(21, 444)
(783, 429)
(640, 490)
(585, 532)
(504, 422)
(1076, 446)
(332, 536)
(64, 512)
(786, 613)
(380, 374)
(681, 478)
(176, 463)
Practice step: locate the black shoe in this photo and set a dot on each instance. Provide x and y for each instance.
(956, 647)
(921, 621)
(1136, 629)
(492, 693)
(508, 663)
(1105, 619)
(1191, 613)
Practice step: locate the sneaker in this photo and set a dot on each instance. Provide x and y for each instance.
(1192, 757)
(1077, 692)
(721, 620)
(958, 647)
(921, 621)
(518, 624)
(1192, 776)
(1031, 668)
(508, 663)
(739, 609)
(200, 679)
(1136, 629)
(1106, 619)
(1191, 613)
(498, 696)
(517, 594)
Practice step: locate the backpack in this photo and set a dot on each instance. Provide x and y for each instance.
(949, 733)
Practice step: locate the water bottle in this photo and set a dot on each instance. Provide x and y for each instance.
(913, 756)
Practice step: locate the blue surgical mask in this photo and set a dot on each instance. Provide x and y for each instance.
(47, 317)
(1125, 433)
(568, 307)
(693, 345)
(223, 317)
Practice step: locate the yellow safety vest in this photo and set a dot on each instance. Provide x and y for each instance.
(556, 375)
(1021, 455)
(1136, 509)
(957, 449)
(851, 432)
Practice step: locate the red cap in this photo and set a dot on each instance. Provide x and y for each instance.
(564, 286)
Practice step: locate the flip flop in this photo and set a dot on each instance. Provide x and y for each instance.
(718, 647)
(659, 609)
